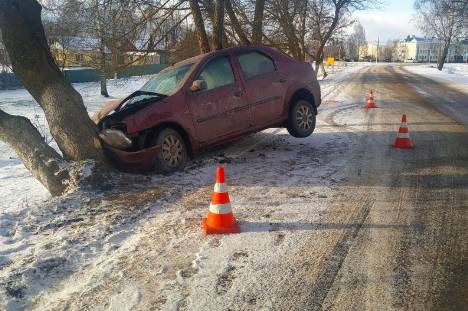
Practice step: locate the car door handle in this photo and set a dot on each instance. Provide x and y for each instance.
(283, 80)
(238, 93)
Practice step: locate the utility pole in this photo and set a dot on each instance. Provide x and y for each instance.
(377, 56)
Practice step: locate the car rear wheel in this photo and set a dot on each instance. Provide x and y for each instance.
(301, 119)
(173, 155)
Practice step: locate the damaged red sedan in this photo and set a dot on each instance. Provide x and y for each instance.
(207, 100)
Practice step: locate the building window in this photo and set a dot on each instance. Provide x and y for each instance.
(79, 58)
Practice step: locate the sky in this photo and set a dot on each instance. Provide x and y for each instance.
(392, 20)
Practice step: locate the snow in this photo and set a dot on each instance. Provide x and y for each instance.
(456, 75)
(138, 245)
(17, 184)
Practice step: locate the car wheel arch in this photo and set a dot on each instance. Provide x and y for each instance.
(177, 127)
(302, 93)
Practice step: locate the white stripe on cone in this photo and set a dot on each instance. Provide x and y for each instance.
(220, 208)
(220, 188)
(403, 135)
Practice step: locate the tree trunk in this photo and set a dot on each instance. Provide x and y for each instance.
(102, 73)
(32, 62)
(443, 56)
(235, 24)
(203, 42)
(103, 82)
(218, 27)
(40, 159)
(257, 28)
(319, 55)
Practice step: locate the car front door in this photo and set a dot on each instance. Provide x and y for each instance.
(264, 86)
(220, 107)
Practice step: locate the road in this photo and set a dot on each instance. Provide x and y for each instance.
(337, 221)
(404, 246)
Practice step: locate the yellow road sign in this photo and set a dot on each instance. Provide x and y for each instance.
(330, 61)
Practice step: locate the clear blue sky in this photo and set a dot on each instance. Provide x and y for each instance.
(393, 20)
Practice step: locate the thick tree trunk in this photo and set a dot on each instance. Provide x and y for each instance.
(44, 163)
(218, 27)
(236, 24)
(32, 62)
(257, 28)
(443, 56)
(203, 42)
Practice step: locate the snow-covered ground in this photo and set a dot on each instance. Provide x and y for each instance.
(132, 246)
(456, 75)
(18, 186)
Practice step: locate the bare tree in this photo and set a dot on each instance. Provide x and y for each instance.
(32, 62)
(257, 27)
(203, 42)
(330, 15)
(354, 41)
(444, 19)
(218, 26)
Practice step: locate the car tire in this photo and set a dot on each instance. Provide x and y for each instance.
(301, 119)
(173, 154)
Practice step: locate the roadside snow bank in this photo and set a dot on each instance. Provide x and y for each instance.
(456, 75)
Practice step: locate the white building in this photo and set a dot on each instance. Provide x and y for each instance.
(426, 50)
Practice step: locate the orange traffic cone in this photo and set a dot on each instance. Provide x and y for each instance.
(370, 101)
(403, 140)
(220, 219)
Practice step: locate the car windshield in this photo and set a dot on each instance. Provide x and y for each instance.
(167, 81)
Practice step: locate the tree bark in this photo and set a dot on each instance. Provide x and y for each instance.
(218, 27)
(102, 71)
(236, 24)
(44, 163)
(443, 56)
(203, 42)
(257, 29)
(32, 62)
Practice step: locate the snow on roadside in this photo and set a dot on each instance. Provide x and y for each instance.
(139, 244)
(456, 75)
(18, 186)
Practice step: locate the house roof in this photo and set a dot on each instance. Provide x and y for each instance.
(82, 44)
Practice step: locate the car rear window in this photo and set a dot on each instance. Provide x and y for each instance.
(255, 64)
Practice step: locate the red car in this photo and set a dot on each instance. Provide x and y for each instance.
(206, 100)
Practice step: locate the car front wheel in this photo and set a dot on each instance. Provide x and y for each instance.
(301, 119)
(173, 154)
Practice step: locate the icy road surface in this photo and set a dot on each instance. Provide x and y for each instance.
(339, 220)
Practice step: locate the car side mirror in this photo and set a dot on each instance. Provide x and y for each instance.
(198, 85)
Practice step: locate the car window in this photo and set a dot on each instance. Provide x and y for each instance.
(255, 64)
(217, 73)
(168, 80)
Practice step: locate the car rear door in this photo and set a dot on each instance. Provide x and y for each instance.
(265, 87)
(220, 108)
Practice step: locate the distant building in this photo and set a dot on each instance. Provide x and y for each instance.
(137, 53)
(76, 51)
(426, 50)
(372, 51)
(84, 52)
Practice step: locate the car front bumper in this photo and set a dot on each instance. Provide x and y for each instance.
(140, 161)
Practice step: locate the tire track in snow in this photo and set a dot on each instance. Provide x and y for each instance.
(335, 259)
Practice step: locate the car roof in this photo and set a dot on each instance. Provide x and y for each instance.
(198, 58)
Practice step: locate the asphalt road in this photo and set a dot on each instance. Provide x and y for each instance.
(404, 212)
